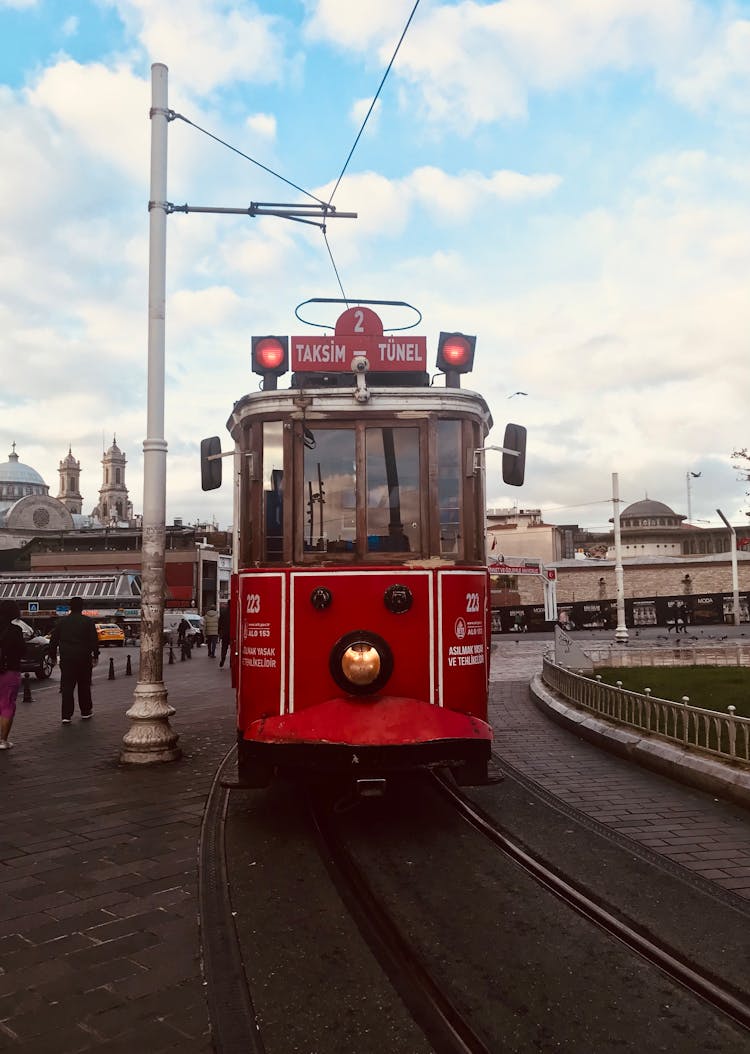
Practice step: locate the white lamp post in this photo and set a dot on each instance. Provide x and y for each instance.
(621, 633)
(735, 580)
(150, 737)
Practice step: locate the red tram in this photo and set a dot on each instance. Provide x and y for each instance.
(360, 598)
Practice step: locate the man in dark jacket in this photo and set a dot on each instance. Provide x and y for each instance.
(76, 638)
(11, 652)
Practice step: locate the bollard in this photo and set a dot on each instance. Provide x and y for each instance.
(171, 656)
(111, 670)
(183, 653)
(128, 668)
(26, 689)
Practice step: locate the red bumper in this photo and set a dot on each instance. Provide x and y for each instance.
(384, 734)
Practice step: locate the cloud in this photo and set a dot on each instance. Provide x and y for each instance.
(519, 47)
(208, 43)
(359, 111)
(262, 125)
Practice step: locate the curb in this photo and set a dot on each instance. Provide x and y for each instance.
(697, 770)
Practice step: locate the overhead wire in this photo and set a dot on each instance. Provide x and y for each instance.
(181, 117)
(375, 99)
(173, 115)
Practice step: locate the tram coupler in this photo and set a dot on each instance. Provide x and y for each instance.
(370, 787)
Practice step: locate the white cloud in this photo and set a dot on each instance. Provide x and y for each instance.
(465, 64)
(207, 43)
(359, 111)
(104, 109)
(262, 125)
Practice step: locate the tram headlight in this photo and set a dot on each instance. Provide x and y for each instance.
(361, 662)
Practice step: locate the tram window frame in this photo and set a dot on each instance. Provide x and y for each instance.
(413, 535)
(272, 490)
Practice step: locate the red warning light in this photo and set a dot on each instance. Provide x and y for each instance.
(455, 355)
(270, 358)
(456, 352)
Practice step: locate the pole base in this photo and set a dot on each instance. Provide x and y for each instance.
(150, 738)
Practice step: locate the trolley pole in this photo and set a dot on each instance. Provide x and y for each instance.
(150, 737)
(621, 633)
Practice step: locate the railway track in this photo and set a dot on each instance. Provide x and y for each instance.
(690, 975)
(448, 1019)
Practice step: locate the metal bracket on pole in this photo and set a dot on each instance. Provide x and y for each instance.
(301, 213)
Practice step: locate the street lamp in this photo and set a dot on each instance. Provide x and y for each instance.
(621, 631)
(735, 581)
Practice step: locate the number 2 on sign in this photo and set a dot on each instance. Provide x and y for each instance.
(472, 602)
(253, 604)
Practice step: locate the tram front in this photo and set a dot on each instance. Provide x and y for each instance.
(361, 593)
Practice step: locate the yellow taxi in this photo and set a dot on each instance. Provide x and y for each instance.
(110, 635)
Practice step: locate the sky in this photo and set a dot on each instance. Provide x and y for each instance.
(569, 181)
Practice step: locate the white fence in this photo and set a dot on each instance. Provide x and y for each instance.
(722, 735)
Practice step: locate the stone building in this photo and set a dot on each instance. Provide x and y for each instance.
(114, 507)
(70, 487)
(26, 507)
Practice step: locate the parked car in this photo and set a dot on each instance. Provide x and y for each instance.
(110, 634)
(37, 656)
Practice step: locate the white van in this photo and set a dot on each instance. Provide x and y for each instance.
(172, 619)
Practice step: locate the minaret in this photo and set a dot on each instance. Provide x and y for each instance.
(70, 488)
(114, 504)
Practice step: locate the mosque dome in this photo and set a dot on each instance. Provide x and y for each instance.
(18, 481)
(648, 513)
(14, 471)
(647, 507)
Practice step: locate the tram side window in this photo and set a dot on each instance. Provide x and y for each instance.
(449, 486)
(273, 490)
(392, 467)
(330, 491)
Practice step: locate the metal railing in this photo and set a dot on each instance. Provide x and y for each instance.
(722, 735)
(674, 653)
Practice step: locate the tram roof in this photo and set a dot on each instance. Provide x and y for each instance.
(319, 403)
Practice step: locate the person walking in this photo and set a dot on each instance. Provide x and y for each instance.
(211, 620)
(75, 637)
(11, 653)
(224, 631)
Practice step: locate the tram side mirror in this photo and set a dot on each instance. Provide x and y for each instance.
(514, 455)
(210, 463)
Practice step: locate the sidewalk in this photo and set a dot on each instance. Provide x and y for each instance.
(98, 934)
(702, 833)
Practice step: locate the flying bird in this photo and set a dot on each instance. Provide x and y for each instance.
(517, 393)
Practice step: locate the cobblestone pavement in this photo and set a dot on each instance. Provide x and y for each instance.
(98, 910)
(98, 928)
(701, 833)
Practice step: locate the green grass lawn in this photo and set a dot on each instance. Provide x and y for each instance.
(711, 687)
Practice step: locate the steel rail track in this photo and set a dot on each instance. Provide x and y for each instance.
(230, 1007)
(677, 968)
(444, 1026)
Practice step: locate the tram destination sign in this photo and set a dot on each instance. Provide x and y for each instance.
(359, 332)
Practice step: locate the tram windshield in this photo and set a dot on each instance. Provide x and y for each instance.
(363, 490)
(329, 491)
(392, 479)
